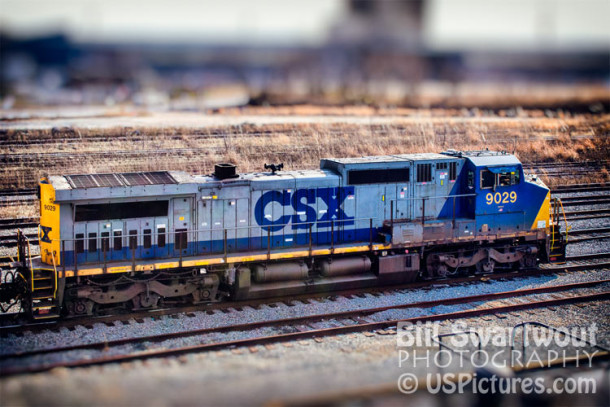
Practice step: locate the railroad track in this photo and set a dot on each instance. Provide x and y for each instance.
(592, 256)
(593, 187)
(21, 200)
(562, 169)
(63, 157)
(566, 164)
(11, 241)
(9, 322)
(12, 192)
(72, 138)
(302, 327)
(587, 214)
(68, 137)
(585, 200)
(18, 223)
(6, 259)
(581, 235)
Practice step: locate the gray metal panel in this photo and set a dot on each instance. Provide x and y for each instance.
(422, 156)
(107, 194)
(122, 179)
(229, 222)
(493, 160)
(242, 222)
(238, 191)
(255, 230)
(277, 182)
(204, 218)
(369, 205)
(66, 226)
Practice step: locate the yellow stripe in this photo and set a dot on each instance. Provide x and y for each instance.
(84, 271)
(49, 217)
(544, 214)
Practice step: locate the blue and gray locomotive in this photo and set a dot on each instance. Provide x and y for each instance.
(140, 240)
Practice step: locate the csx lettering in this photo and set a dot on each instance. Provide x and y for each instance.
(301, 202)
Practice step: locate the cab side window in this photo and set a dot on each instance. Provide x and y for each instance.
(506, 179)
(488, 179)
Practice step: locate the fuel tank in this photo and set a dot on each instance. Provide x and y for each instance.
(280, 272)
(345, 266)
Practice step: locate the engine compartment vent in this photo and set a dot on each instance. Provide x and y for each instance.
(225, 171)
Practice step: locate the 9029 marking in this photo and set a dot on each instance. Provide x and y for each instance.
(501, 197)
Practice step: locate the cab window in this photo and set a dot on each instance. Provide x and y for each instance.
(488, 179)
(506, 179)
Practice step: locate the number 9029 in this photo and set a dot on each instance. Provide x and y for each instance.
(501, 198)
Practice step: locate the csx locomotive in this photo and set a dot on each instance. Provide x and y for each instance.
(142, 240)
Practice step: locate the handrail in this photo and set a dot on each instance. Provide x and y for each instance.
(54, 273)
(564, 219)
(523, 325)
(468, 332)
(18, 243)
(553, 215)
(439, 341)
(438, 197)
(326, 226)
(30, 257)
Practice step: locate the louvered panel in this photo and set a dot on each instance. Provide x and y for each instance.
(116, 180)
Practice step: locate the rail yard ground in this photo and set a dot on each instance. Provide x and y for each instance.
(37, 142)
(563, 143)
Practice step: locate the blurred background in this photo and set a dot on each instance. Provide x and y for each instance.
(207, 55)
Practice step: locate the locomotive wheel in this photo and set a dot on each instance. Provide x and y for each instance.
(451, 272)
(486, 266)
(146, 301)
(527, 262)
(80, 307)
(442, 271)
(200, 295)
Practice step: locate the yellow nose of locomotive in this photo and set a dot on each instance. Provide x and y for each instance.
(48, 232)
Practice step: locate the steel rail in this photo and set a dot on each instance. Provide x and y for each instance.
(306, 334)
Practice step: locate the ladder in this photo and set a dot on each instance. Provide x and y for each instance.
(43, 283)
(557, 240)
(44, 294)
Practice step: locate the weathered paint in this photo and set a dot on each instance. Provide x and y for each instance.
(49, 225)
(543, 217)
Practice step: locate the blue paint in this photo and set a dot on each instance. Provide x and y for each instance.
(302, 200)
(234, 245)
(259, 210)
(299, 206)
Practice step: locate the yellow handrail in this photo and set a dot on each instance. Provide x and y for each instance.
(54, 273)
(30, 257)
(554, 209)
(564, 219)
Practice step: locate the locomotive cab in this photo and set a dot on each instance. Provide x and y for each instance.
(508, 203)
(505, 201)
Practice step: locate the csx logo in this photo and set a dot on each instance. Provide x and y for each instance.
(301, 201)
(44, 234)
